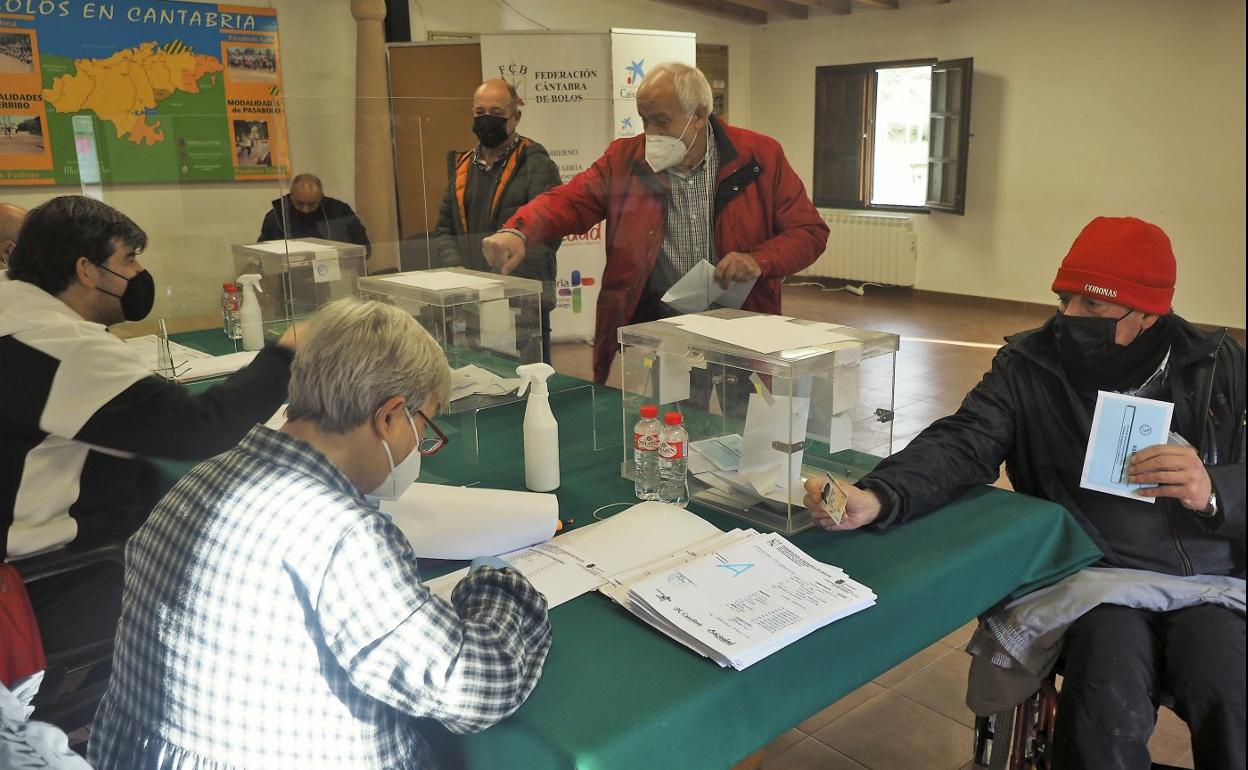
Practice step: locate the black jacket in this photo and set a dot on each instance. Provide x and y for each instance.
(334, 222)
(533, 174)
(1024, 412)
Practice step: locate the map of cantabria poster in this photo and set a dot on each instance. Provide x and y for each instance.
(134, 91)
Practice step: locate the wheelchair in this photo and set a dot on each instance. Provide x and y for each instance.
(76, 679)
(1022, 738)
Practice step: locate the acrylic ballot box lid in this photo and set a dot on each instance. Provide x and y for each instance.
(829, 344)
(446, 287)
(297, 250)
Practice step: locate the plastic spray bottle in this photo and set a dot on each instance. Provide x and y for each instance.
(541, 432)
(249, 315)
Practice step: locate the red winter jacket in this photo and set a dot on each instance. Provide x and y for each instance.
(761, 208)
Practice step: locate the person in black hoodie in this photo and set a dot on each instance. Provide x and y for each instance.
(306, 212)
(1114, 331)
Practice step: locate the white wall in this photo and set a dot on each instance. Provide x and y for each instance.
(190, 227)
(1080, 108)
(481, 16)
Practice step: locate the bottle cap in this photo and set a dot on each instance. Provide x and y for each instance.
(231, 288)
(227, 286)
(649, 411)
(672, 418)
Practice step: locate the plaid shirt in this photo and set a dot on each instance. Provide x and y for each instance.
(689, 236)
(273, 619)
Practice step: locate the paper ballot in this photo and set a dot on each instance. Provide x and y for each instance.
(1121, 426)
(746, 599)
(697, 290)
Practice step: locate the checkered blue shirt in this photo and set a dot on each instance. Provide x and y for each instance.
(689, 236)
(273, 619)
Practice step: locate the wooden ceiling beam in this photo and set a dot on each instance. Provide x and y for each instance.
(784, 7)
(837, 7)
(722, 8)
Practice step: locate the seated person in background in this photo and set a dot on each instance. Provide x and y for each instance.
(1115, 331)
(275, 618)
(80, 411)
(11, 218)
(306, 212)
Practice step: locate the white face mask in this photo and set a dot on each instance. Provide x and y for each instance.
(663, 152)
(402, 475)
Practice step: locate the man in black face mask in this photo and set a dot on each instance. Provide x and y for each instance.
(1114, 331)
(80, 412)
(490, 183)
(306, 212)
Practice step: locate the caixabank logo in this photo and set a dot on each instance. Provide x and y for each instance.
(635, 72)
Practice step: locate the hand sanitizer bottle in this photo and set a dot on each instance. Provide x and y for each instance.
(541, 432)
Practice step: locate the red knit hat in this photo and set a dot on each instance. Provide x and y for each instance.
(1122, 260)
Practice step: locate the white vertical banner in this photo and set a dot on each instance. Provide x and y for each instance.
(564, 81)
(633, 53)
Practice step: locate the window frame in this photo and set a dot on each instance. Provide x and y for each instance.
(867, 72)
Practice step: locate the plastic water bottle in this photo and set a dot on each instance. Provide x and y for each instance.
(646, 454)
(231, 303)
(673, 461)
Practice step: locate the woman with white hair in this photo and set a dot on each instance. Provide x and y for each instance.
(274, 618)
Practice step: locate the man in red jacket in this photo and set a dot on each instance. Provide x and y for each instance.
(690, 188)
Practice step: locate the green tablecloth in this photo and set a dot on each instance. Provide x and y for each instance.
(616, 694)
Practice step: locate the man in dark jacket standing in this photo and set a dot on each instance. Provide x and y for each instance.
(1115, 331)
(690, 188)
(305, 212)
(488, 184)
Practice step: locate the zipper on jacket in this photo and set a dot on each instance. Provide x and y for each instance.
(1178, 542)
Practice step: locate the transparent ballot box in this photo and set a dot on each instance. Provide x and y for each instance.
(300, 275)
(487, 323)
(768, 401)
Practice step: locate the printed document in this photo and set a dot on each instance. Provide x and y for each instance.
(1121, 426)
(746, 600)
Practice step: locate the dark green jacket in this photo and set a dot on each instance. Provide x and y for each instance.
(525, 176)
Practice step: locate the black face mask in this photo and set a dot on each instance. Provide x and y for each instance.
(139, 296)
(490, 129)
(1094, 361)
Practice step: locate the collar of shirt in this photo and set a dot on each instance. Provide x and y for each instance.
(295, 454)
(481, 162)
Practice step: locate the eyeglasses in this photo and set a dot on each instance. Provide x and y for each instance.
(431, 445)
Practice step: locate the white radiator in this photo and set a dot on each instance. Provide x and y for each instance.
(867, 248)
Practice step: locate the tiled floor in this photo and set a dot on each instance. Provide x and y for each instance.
(913, 716)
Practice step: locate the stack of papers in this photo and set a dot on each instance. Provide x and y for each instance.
(750, 596)
(188, 364)
(734, 597)
(761, 333)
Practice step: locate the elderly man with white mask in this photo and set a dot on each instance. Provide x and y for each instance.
(690, 188)
(274, 618)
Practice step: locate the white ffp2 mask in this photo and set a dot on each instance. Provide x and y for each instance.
(663, 152)
(401, 476)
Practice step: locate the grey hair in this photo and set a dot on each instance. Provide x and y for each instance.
(356, 355)
(692, 88)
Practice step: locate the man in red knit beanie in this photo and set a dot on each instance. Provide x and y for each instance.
(1125, 647)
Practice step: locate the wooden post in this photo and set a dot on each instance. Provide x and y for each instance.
(374, 154)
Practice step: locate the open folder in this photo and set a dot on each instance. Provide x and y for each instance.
(734, 597)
